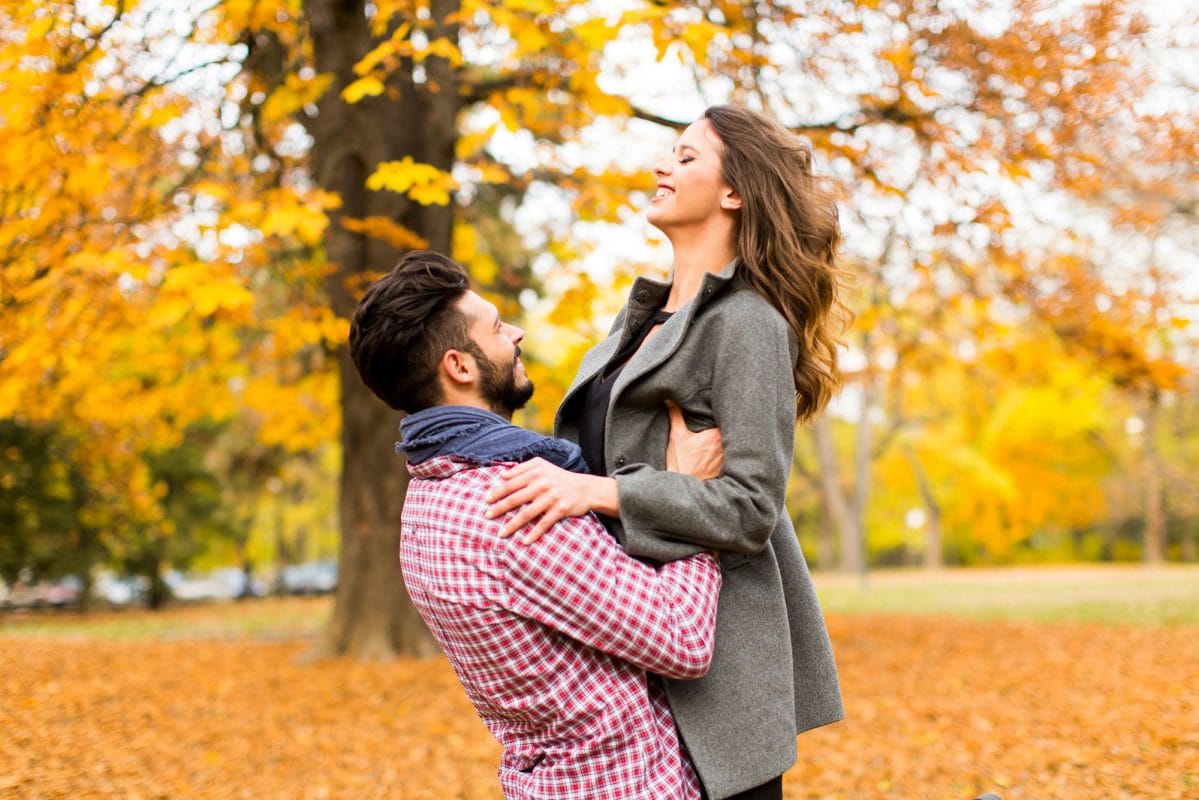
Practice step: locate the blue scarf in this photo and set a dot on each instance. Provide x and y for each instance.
(480, 437)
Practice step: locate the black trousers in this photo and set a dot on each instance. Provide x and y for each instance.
(771, 790)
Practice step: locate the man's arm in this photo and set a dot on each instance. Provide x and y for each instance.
(578, 581)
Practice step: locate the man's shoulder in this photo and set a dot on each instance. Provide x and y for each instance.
(460, 499)
(454, 483)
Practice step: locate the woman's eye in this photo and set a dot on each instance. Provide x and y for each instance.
(686, 159)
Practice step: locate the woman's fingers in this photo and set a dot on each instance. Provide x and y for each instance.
(677, 423)
(522, 518)
(524, 467)
(547, 521)
(541, 494)
(512, 501)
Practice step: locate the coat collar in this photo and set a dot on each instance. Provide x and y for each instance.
(646, 297)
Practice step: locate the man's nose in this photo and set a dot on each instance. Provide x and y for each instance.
(515, 334)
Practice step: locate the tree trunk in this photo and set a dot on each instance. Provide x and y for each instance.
(373, 617)
(933, 559)
(1155, 518)
(826, 548)
(837, 506)
(862, 461)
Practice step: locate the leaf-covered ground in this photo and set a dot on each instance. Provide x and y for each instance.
(937, 708)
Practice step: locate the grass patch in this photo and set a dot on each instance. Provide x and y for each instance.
(1118, 594)
(1105, 594)
(269, 618)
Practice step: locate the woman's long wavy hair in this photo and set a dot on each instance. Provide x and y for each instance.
(787, 240)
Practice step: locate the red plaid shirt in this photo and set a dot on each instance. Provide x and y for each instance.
(552, 640)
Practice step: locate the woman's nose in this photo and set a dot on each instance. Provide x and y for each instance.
(661, 167)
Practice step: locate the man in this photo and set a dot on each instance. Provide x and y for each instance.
(551, 641)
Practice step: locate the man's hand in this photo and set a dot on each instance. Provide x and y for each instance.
(548, 493)
(700, 454)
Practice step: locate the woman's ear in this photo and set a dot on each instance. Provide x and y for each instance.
(730, 200)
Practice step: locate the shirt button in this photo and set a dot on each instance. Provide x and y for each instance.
(620, 461)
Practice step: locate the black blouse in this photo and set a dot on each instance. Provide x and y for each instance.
(598, 396)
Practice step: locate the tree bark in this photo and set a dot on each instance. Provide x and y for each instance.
(373, 618)
(933, 559)
(838, 508)
(862, 461)
(1155, 518)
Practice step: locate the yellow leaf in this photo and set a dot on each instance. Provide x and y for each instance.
(494, 173)
(424, 183)
(294, 94)
(370, 86)
(385, 50)
(386, 230)
(442, 47)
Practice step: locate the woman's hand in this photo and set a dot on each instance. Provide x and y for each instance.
(700, 454)
(548, 493)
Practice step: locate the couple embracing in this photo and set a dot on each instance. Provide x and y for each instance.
(627, 605)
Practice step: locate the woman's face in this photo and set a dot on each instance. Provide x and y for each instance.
(691, 188)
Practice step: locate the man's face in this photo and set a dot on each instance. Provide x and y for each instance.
(503, 384)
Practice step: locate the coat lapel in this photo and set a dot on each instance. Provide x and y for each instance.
(646, 296)
(593, 361)
(662, 345)
(657, 348)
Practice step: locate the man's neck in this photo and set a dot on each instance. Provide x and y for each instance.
(455, 397)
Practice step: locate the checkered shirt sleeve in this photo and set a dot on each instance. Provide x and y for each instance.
(577, 580)
(551, 640)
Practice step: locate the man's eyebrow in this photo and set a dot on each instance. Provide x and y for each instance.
(497, 319)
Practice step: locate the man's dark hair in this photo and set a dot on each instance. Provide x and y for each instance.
(403, 325)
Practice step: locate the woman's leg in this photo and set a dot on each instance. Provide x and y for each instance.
(771, 790)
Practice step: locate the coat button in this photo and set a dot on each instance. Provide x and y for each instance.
(642, 296)
(620, 461)
(707, 291)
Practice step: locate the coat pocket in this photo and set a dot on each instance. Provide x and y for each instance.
(730, 561)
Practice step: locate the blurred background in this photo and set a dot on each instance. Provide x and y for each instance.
(194, 193)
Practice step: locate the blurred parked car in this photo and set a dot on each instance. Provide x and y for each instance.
(313, 577)
(120, 591)
(63, 592)
(228, 583)
(59, 593)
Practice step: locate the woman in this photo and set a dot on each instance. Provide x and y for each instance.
(743, 338)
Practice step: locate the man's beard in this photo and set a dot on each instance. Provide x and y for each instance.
(498, 386)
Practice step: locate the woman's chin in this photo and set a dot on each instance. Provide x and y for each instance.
(659, 220)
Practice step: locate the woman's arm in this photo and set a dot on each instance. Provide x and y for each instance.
(549, 493)
(753, 400)
(668, 515)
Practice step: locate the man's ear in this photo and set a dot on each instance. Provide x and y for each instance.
(458, 367)
(731, 200)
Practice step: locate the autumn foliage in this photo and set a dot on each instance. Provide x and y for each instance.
(937, 708)
(192, 197)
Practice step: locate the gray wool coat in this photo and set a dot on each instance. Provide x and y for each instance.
(725, 357)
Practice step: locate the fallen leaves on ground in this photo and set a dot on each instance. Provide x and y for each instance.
(936, 708)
